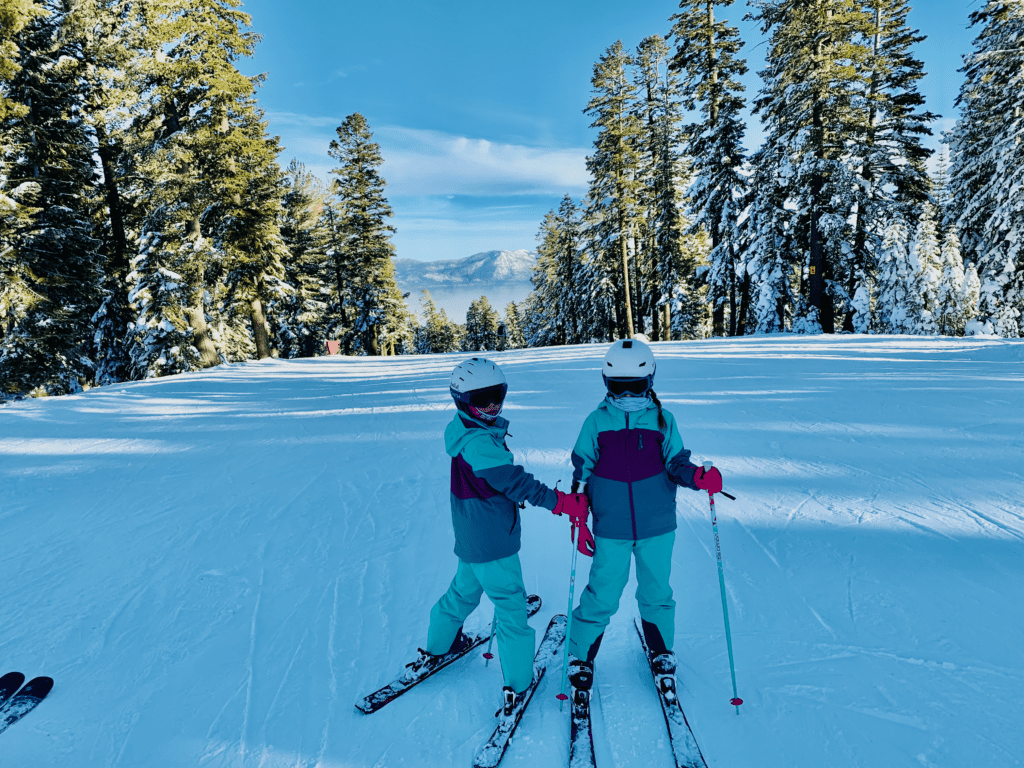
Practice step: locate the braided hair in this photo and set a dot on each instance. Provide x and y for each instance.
(662, 424)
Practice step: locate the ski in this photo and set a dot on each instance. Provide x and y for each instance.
(24, 701)
(684, 745)
(9, 685)
(581, 738)
(405, 681)
(490, 754)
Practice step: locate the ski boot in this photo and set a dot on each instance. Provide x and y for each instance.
(664, 667)
(421, 664)
(581, 676)
(510, 700)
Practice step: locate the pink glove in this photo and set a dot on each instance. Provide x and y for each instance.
(710, 480)
(573, 504)
(585, 544)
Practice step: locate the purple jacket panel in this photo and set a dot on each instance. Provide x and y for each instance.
(465, 483)
(629, 455)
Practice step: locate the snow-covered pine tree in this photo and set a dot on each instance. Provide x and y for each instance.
(940, 195)
(925, 273)
(438, 334)
(814, 80)
(187, 138)
(53, 256)
(248, 231)
(14, 15)
(885, 144)
(558, 278)
(299, 316)
(970, 300)
(513, 328)
(950, 310)
(987, 154)
(671, 252)
(481, 327)
(611, 210)
(363, 245)
(706, 58)
(897, 307)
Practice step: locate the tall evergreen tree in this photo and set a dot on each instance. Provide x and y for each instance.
(889, 157)
(438, 334)
(987, 153)
(612, 209)
(481, 327)
(364, 249)
(558, 278)
(299, 315)
(816, 74)
(514, 338)
(193, 123)
(706, 58)
(54, 269)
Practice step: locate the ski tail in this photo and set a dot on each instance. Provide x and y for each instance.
(490, 754)
(684, 745)
(384, 696)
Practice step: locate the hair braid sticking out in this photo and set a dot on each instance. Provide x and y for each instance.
(662, 424)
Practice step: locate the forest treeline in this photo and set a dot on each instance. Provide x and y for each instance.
(147, 227)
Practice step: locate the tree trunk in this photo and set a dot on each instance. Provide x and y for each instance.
(208, 356)
(371, 341)
(668, 321)
(260, 331)
(732, 300)
(741, 321)
(119, 240)
(625, 285)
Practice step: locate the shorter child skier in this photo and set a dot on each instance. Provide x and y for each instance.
(631, 458)
(486, 489)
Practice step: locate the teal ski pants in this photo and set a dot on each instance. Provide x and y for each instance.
(609, 573)
(502, 580)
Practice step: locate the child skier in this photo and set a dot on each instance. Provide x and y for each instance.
(631, 458)
(486, 489)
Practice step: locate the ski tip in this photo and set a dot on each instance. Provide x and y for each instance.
(37, 687)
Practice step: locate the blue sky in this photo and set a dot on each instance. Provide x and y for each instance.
(477, 106)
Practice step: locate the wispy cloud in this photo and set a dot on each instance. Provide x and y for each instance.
(423, 162)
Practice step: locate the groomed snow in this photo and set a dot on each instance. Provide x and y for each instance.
(214, 567)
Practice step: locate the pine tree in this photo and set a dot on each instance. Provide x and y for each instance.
(987, 156)
(191, 127)
(706, 57)
(614, 186)
(925, 272)
(299, 316)
(887, 141)
(364, 246)
(53, 260)
(558, 278)
(481, 327)
(815, 77)
(950, 310)
(14, 15)
(438, 334)
(513, 338)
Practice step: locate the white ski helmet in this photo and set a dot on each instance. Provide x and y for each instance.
(629, 359)
(477, 383)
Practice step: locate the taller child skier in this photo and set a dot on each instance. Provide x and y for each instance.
(631, 458)
(486, 488)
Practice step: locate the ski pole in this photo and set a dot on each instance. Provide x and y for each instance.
(562, 697)
(494, 624)
(736, 700)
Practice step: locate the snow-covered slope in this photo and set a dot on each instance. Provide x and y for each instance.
(502, 276)
(215, 567)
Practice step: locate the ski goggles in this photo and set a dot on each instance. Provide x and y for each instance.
(633, 387)
(481, 398)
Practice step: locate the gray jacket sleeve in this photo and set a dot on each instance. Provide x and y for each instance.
(515, 483)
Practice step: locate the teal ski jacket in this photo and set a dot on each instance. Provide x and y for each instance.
(487, 486)
(631, 469)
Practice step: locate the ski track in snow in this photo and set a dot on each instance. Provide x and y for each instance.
(214, 567)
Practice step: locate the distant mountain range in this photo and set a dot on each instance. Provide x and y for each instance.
(501, 276)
